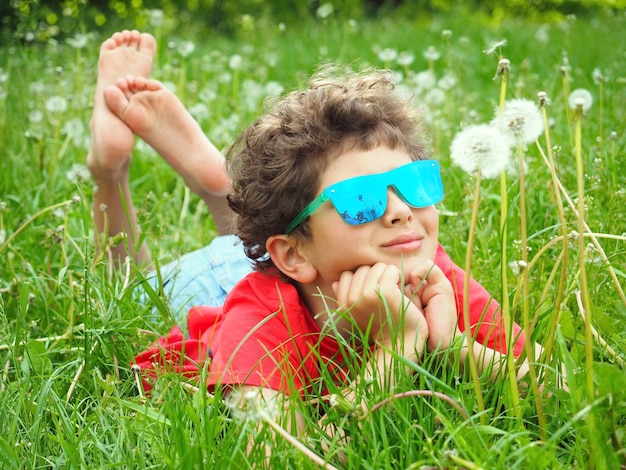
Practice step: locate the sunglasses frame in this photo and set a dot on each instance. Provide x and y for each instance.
(325, 194)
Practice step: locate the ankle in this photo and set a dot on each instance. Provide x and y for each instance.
(103, 174)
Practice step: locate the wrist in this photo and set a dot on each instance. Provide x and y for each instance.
(411, 345)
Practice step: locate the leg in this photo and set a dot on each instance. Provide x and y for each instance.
(205, 276)
(157, 116)
(112, 142)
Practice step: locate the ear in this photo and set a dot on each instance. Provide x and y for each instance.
(288, 257)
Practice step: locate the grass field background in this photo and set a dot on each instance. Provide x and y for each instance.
(69, 326)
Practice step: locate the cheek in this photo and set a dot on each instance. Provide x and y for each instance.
(435, 222)
(429, 218)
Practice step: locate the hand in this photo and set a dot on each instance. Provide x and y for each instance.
(429, 288)
(364, 293)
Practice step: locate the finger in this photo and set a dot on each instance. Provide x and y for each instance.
(365, 283)
(427, 279)
(343, 288)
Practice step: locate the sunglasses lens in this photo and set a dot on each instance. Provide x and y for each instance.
(419, 184)
(364, 198)
(356, 202)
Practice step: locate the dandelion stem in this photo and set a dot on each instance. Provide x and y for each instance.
(466, 316)
(613, 166)
(504, 301)
(582, 277)
(601, 92)
(530, 350)
(561, 212)
(295, 442)
(568, 114)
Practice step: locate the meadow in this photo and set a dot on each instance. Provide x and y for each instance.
(547, 236)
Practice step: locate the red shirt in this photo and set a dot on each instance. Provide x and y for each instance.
(265, 336)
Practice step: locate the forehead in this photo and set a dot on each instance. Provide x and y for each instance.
(358, 162)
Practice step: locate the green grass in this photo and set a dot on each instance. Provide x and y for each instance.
(68, 329)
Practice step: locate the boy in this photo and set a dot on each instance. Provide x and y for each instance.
(334, 196)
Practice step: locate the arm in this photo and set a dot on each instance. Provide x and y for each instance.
(377, 303)
(488, 359)
(436, 295)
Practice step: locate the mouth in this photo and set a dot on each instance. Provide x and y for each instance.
(405, 243)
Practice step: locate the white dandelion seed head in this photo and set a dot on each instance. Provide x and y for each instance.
(447, 82)
(74, 127)
(405, 58)
(207, 95)
(404, 91)
(200, 111)
(56, 104)
(396, 76)
(387, 54)
(431, 54)
(504, 64)
(156, 17)
(580, 97)
(446, 33)
(59, 213)
(521, 119)
(235, 62)
(325, 10)
(273, 88)
(251, 93)
(494, 46)
(185, 48)
(79, 41)
(35, 116)
(597, 76)
(78, 173)
(225, 77)
(37, 87)
(435, 97)
(542, 96)
(481, 148)
(518, 267)
(542, 35)
(425, 80)
(4, 76)
(333, 401)
(271, 59)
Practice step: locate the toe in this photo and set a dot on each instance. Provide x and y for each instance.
(116, 99)
(147, 44)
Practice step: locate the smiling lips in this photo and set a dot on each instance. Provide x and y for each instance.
(405, 243)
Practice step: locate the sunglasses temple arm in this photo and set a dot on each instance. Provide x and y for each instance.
(307, 211)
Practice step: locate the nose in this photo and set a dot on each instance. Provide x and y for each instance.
(397, 210)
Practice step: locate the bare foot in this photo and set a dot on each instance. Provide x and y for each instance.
(126, 52)
(157, 116)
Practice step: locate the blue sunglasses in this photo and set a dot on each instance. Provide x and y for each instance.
(363, 199)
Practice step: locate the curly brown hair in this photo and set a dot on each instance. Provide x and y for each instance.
(277, 163)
